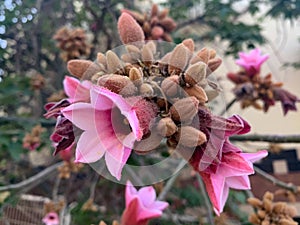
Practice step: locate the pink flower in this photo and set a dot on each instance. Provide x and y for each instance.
(77, 91)
(51, 219)
(110, 127)
(141, 205)
(252, 61)
(232, 172)
(287, 99)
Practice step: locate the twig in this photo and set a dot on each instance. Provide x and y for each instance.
(93, 186)
(206, 200)
(228, 106)
(171, 181)
(279, 183)
(182, 218)
(33, 181)
(55, 188)
(268, 138)
(43, 122)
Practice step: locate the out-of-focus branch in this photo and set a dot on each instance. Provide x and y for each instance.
(267, 138)
(33, 181)
(43, 122)
(288, 186)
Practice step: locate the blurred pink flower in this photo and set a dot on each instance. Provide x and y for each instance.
(110, 127)
(251, 61)
(141, 206)
(287, 99)
(51, 219)
(232, 172)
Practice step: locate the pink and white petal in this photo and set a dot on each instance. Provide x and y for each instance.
(244, 125)
(100, 101)
(147, 195)
(114, 161)
(130, 193)
(70, 86)
(160, 205)
(75, 90)
(253, 157)
(234, 164)
(239, 182)
(89, 148)
(81, 115)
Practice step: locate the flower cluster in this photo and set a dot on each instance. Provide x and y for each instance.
(72, 42)
(269, 212)
(32, 140)
(252, 87)
(134, 100)
(157, 25)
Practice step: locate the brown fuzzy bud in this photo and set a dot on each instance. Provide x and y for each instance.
(146, 90)
(261, 213)
(132, 49)
(101, 59)
(166, 127)
(197, 92)
(170, 86)
(190, 136)
(147, 55)
(253, 218)
(213, 64)
(118, 84)
(255, 202)
(163, 13)
(129, 30)
(154, 10)
(102, 223)
(128, 58)
(268, 195)
(195, 73)
(82, 68)
(115, 222)
(265, 222)
(291, 211)
(178, 59)
(184, 109)
(189, 43)
(113, 62)
(151, 45)
(202, 56)
(136, 76)
(168, 23)
(285, 221)
(211, 94)
(212, 53)
(157, 32)
(267, 204)
(279, 207)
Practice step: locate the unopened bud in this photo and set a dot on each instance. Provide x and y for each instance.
(190, 136)
(101, 58)
(170, 86)
(118, 84)
(253, 218)
(212, 65)
(285, 221)
(197, 92)
(82, 68)
(255, 202)
(178, 59)
(212, 53)
(195, 73)
(146, 90)
(168, 24)
(202, 56)
(279, 207)
(136, 76)
(267, 204)
(184, 109)
(268, 195)
(189, 43)
(166, 127)
(147, 55)
(113, 62)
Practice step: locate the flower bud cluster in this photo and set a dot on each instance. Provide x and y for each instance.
(173, 84)
(67, 168)
(72, 42)
(32, 140)
(271, 213)
(157, 25)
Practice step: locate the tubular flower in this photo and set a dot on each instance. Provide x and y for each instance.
(105, 132)
(51, 219)
(141, 205)
(251, 87)
(251, 61)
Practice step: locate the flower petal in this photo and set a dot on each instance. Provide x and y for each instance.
(147, 195)
(75, 90)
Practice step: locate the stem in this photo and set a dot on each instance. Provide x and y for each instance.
(206, 200)
(55, 188)
(228, 106)
(33, 181)
(279, 183)
(268, 138)
(93, 186)
(171, 181)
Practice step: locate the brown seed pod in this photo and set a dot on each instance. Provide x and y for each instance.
(212, 65)
(101, 58)
(146, 90)
(136, 76)
(267, 204)
(118, 84)
(147, 55)
(170, 86)
(268, 195)
(197, 92)
(166, 127)
(202, 56)
(212, 53)
(195, 73)
(189, 43)
(253, 218)
(184, 109)
(255, 202)
(190, 137)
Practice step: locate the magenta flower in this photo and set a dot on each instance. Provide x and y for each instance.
(51, 219)
(110, 127)
(141, 205)
(232, 172)
(251, 61)
(77, 91)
